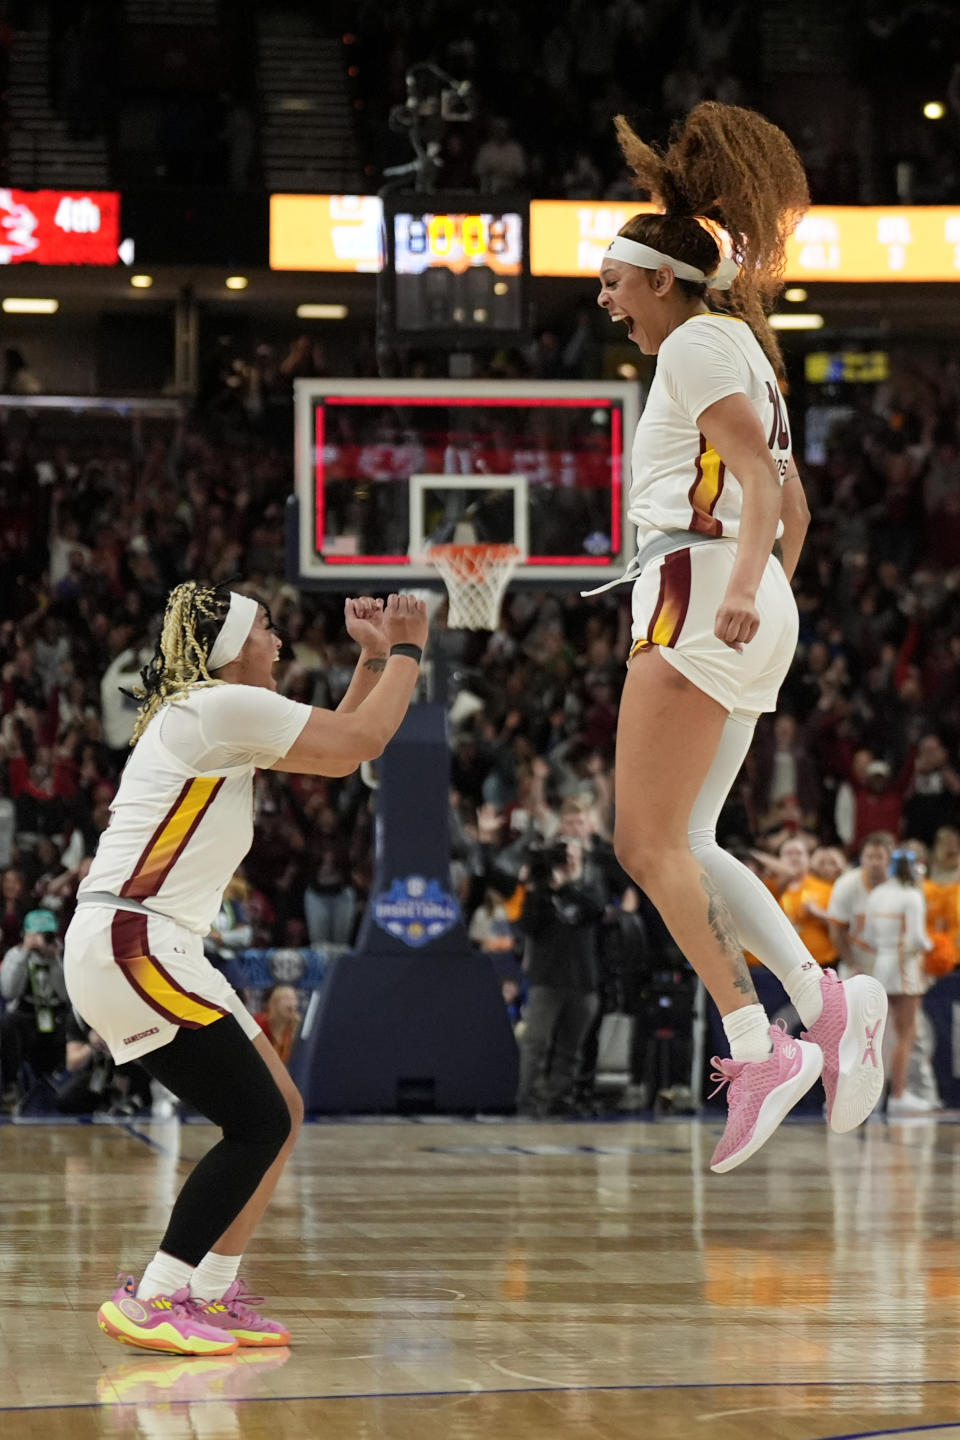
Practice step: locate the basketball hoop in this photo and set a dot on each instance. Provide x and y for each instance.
(476, 577)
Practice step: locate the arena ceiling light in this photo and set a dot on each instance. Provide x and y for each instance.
(805, 321)
(322, 312)
(141, 282)
(934, 109)
(19, 305)
(236, 282)
(796, 294)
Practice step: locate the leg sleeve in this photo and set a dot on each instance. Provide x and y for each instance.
(761, 924)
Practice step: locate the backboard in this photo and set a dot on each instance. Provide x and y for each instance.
(385, 468)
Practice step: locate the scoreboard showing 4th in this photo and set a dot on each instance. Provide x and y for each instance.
(58, 227)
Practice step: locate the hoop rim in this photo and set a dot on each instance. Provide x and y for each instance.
(494, 550)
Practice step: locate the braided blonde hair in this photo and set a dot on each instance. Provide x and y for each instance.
(193, 616)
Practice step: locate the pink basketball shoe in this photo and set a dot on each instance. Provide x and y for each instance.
(761, 1092)
(234, 1315)
(164, 1322)
(850, 1034)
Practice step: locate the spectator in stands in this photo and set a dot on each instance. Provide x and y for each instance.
(847, 908)
(33, 1028)
(895, 932)
(560, 915)
(279, 1018)
(8, 823)
(330, 900)
(581, 179)
(14, 904)
(231, 933)
(878, 800)
(782, 768)
(933, 800)
(941, 890)
(807, 901)
(501, 162)
(490, 927)
(788, 868)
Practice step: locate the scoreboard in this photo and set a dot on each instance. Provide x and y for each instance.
(59, 227)
(868, 243)
(454, 273)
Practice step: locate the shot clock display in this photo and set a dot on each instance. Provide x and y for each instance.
(454, 274)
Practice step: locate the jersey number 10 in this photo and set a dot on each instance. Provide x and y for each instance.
(779, 436)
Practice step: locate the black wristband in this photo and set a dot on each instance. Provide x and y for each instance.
(415, 652)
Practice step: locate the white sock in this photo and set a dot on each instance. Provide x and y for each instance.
(214, 1275)
(164, 1276)
(803, 987)
(748, 1031)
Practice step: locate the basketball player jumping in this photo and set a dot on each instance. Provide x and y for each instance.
(715, 487)
(182, 822)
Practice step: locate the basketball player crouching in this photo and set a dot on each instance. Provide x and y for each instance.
(714, 619)
(181, 823)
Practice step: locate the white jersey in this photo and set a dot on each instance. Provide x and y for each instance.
(896, 920)
(679, 481)
(182, 819)
(848, 906)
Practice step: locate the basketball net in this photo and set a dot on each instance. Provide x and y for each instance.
(476, 577)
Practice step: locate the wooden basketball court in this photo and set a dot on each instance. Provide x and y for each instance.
(446, 1280)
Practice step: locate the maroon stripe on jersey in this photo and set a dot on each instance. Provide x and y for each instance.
(155, 837)
(170, 841)
(144, 973)
(659, 605)
(129, 935)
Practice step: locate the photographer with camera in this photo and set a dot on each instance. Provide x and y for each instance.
(32, 984)
(562, 909)
(94, 1083)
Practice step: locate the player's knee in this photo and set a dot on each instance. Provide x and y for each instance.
(294, 1109)
(640, 854)
(268, 1124)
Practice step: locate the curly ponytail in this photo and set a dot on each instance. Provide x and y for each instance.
(736, 170)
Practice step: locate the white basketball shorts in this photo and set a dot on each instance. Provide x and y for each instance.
(136, 979)
(675, 603)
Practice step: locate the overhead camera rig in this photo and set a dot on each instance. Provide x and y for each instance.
(434, 101)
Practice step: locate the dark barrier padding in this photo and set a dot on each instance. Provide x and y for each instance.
(413, 1019)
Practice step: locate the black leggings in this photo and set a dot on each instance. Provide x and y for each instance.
(219, 1072)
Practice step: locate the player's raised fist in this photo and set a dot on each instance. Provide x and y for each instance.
(363, 618)
(405, 620)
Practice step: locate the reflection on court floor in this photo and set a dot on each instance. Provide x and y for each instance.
(456, 1279)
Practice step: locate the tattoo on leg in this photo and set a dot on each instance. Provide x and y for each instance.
(721, 923)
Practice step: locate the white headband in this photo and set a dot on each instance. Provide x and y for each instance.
(233, 632)
(631, 252)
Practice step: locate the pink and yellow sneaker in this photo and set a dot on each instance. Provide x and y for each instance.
(850, 1034)
(234, 1314)
(761, 1092)
(164, 1322)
